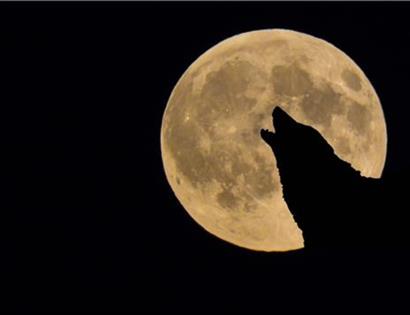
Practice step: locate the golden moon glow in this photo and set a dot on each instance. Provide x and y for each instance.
(220, 169)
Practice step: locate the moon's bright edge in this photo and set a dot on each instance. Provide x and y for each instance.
(220, 169)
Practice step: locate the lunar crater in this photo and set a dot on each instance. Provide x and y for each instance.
(352, 80)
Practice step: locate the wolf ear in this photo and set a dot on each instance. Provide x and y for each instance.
(268, 136)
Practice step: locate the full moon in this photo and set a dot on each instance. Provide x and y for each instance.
(220, 169)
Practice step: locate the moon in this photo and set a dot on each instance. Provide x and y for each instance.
(217, 165)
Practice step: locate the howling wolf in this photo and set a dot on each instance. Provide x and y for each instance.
(331, 202)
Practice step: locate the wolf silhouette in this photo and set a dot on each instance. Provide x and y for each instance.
(331, 202)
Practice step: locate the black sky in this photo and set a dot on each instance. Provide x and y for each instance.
(89, 220)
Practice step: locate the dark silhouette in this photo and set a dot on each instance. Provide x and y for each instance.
(331, 202)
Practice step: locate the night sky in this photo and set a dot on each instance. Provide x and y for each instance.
(88, 219)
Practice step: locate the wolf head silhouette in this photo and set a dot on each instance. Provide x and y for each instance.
(320, 189)
(298, 144)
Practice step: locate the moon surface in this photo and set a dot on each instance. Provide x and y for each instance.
(218, 166)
